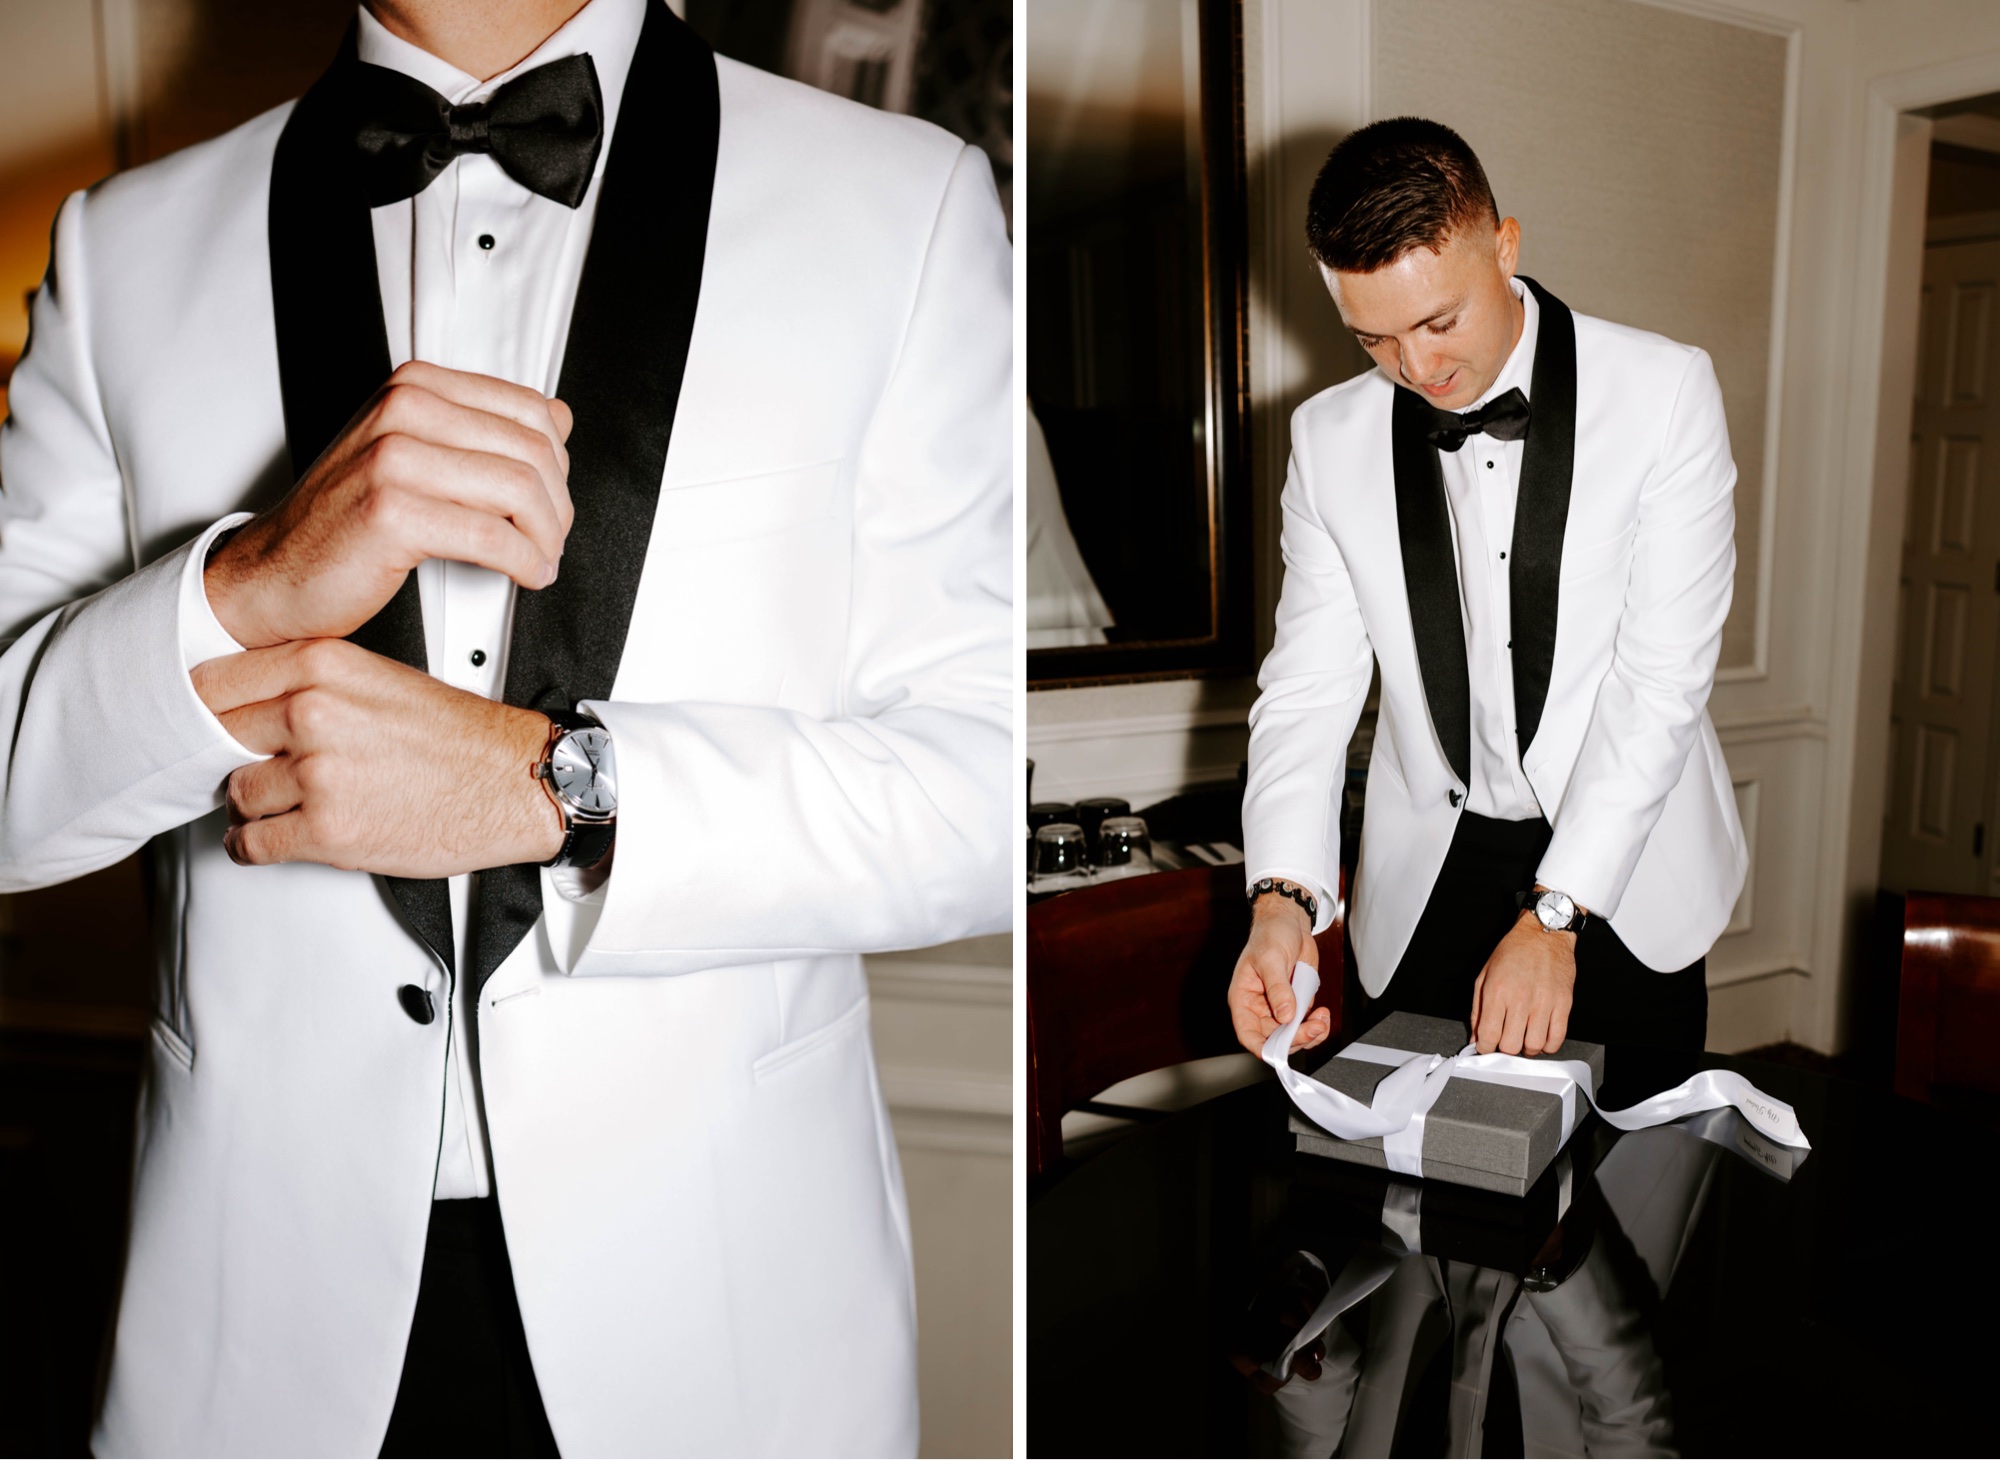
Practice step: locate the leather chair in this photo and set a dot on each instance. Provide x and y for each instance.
(1948, 1001)
(1131, 976)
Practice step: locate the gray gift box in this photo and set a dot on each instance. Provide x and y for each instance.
(1478, 1134)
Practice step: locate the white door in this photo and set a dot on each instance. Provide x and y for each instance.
(1942, 829)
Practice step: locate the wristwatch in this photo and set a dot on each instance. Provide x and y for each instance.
(580, 774)
(1557, 912)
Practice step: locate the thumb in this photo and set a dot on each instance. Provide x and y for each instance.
(1278, 991)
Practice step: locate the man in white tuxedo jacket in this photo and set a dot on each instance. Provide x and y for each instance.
(1525, 519)
(525, 776)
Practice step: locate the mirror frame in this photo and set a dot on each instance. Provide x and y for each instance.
(1228, 646)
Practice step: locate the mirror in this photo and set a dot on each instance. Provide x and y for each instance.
(1137, 452)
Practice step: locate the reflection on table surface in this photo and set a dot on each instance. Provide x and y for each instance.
(1201, 1289)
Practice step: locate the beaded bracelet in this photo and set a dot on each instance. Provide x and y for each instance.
(1293, 891)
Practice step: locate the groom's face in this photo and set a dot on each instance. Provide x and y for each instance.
(1440, 324)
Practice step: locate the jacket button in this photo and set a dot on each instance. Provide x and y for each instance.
(417, 1004)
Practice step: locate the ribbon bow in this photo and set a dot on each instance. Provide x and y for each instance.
(1409, 1091)
(1505, 417)
(545, 127)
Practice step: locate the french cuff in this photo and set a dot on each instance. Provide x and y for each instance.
(1323, 918)
(201, 636)
(201, 633)
(572, 903)
(1591, 891)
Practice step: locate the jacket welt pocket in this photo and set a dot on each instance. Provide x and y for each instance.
(793, 1051)
(707, 513)
(1584, 561)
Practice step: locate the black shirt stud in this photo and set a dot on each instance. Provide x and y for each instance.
(486, 242)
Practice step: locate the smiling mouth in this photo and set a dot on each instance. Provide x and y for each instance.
(1442, 388)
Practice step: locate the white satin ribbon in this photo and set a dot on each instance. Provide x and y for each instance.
(1366, 1271)
(1409, 1091)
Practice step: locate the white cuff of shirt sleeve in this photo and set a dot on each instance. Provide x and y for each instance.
(1323, 920)
(202, 635)
(572, 902)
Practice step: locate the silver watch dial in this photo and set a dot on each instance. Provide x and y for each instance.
(1557, 911)
(583, 771)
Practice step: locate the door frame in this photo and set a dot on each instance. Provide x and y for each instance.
(1873, 497)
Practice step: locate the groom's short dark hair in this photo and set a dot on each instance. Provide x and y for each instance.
(1395, 185)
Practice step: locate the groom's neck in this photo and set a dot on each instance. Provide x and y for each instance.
(480, 37)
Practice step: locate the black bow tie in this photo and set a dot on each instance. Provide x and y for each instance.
(545, 128)
(1504, 417)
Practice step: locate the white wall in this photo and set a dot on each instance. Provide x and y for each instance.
(1797, 713)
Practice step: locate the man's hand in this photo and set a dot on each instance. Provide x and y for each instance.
(1260, 991)
(1521, 1002)
(438, 464)
(376, 766)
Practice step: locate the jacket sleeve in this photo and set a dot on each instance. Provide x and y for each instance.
(1650, 705)
(1315, 682)
(748, 833)
(107, 743)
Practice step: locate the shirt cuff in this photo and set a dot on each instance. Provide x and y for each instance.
(202, 635)
(572, 903)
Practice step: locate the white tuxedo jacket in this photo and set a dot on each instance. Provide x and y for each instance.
(1624, 760)
(813, 720)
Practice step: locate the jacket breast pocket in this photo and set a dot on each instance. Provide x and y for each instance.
(1581, 561)
(704, 514)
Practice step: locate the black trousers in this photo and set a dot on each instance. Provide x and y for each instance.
(1618, 1001)
(468, 1387)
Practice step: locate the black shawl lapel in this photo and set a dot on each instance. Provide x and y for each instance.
(622, 369)
(333, 354)
(1430, 576)
(1541, 512)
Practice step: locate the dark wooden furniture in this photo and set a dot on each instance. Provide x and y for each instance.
(1131, 976)
(1948, 1007)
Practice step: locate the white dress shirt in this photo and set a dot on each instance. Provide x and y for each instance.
(477, 274)
(1482, 481)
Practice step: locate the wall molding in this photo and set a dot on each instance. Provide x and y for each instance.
(935, 982)
(1777, 723)
(1124, 726)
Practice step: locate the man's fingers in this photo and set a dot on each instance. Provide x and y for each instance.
(419, 415)
(1558, 1025)
(1478, 989)
(440, 529)
(235, 680)
(1248, 1010)
(263, 788)
(1516, 1027)
(1313, 1030)
(272, 840)
(563, 417)
(483, 393)
(412, 474)
(1492, 1024)
(1277, 977)
(1535, 1033)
